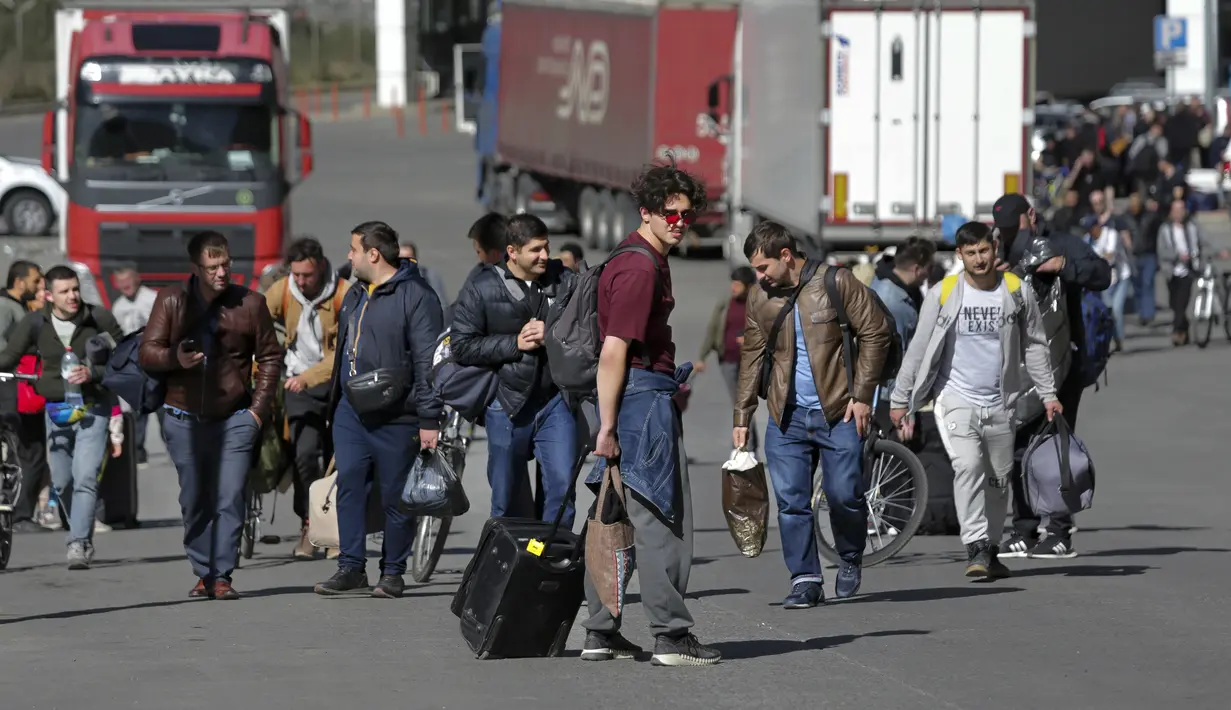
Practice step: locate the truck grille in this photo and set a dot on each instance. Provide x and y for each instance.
(160, 252)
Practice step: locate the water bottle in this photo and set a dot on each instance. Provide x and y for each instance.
(72, 393)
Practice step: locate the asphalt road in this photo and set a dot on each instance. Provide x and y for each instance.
(1139, 620)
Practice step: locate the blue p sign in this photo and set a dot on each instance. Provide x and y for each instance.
(1170, 34)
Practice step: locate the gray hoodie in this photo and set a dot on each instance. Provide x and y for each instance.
(11, 311)
(1024, 340)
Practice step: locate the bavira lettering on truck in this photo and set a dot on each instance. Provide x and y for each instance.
(585, 69)
(175, 72)
(682, 153)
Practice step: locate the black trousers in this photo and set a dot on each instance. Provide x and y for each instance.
(1025, 521)
(305, 414)
(32, 454)
(1180, 289)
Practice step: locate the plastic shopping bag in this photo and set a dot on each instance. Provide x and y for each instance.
(433, 487)
(745, 501)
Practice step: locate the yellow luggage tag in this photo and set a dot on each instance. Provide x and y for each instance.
(535, 547)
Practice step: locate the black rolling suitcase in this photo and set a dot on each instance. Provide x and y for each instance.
(522, 589)
(117, 487)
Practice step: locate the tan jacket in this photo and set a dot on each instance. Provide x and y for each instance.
(286, 309)
(823, 337)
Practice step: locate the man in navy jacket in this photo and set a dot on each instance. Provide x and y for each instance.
(390, 321)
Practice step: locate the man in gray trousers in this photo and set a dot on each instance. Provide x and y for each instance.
(976, 329)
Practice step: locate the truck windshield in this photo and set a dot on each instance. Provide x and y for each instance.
(176, 141)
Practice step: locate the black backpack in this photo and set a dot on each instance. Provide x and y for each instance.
(850, 343)
(572, 340)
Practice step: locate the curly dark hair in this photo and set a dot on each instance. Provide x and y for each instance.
(660, 183)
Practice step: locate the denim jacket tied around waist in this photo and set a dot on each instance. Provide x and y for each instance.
(648, 434)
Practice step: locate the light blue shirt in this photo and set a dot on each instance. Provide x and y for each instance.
(805, 386)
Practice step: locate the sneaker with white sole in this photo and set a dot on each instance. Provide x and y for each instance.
(78, 555)
(683, 650)
(1017, 546)
(1053, 548)
(608, 647)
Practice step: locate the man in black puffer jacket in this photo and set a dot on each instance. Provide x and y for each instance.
(498, 322)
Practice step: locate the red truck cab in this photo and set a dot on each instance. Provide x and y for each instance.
(171, 122)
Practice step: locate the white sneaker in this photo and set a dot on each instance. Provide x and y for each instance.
(101, 527)
(78, 556)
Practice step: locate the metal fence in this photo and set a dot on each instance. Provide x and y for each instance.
(331, 41)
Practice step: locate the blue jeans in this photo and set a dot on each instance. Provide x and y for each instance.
(1147, 270)
(384, 453)
(1114, 297)
(792, 456)
(212, 457)
(548, 435)
(75, 455)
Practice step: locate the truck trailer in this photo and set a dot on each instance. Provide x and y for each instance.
(860, 123)
(172, 118)
(582, 95)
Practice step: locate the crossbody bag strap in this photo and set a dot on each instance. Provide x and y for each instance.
(844, 322)
(771, 342)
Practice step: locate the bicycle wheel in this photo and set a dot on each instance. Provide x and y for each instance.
(1203, 317)
(251, 522)
(6, 538)
(896, 492)
(429, 544)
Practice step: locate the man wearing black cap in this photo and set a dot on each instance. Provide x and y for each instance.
(1078, 268)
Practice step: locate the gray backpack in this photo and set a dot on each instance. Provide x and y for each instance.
(572, 329)
(1057, 471)
(466, 389)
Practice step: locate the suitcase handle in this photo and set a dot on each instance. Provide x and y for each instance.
(537, 547)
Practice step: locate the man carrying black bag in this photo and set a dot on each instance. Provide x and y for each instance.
(383, 409)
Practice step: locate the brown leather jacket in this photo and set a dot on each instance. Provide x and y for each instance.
(823, 337)
(223, 384)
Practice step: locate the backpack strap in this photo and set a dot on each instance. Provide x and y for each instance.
(844, 322)
(771, 341)
(949, 283)
(286, 297)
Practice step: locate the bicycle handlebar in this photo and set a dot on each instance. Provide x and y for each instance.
(6, 376)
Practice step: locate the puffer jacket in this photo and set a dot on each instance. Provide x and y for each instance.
(488, 315)
(36, 335)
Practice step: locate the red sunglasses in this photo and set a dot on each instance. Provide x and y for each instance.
(685, 216)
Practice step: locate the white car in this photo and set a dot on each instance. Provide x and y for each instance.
(30, 199)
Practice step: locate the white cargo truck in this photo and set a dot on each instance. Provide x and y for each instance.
(859, 123)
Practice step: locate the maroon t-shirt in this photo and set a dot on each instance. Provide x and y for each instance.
(737, 310)
(632, 308)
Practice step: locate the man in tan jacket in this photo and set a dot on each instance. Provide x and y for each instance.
(817, 408)
(306, 304)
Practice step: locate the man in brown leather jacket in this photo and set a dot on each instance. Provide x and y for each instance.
(202, 337)
(812, 408)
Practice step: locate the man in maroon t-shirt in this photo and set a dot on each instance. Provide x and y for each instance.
(636, 373)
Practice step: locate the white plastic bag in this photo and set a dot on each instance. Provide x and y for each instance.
(741, 460)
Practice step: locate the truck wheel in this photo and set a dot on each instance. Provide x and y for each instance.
(606, 221)
(587, 217)
(28, 213)
(625, 218)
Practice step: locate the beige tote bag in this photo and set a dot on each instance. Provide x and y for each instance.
(323, 509)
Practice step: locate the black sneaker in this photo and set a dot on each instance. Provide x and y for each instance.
(345, 580)
(607, 647)
(978, 559)
(804, 595)
(390, 586)
(1017, 546)
(1053, 548)
(683, 650)
(997, 570)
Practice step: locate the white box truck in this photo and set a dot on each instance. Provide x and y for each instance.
(859, 123)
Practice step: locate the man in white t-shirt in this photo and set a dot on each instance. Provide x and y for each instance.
(131, 309)
(975, 331)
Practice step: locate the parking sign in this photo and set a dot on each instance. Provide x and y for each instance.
(1170, 41)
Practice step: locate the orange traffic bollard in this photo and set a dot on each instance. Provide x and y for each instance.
(367, 103)
(333, 99)
(422, 112)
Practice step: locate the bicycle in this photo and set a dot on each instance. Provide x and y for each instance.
(1210, 304)
(432, 532)
(886, 535)
(10, 476)
(251, 532)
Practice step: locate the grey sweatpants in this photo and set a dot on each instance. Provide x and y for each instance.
(663, 562)
(980, 445)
